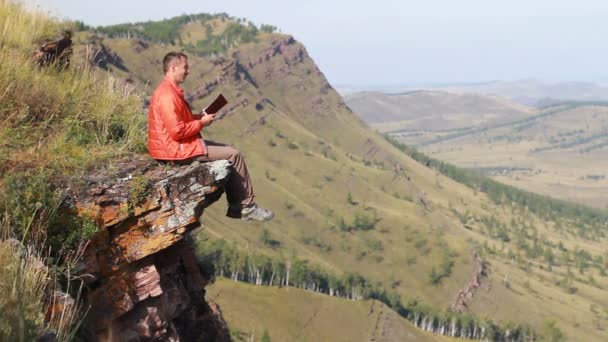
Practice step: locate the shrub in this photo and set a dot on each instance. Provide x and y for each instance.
(350, 200)
(362, 221)
(444, 270)
(267, 239)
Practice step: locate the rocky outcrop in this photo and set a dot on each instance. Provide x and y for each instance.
(286, 48)
(143, 279)
(225, 70)
(139, 45)
(237, 67)
(292, 53)
(467, 293)
(102, 56)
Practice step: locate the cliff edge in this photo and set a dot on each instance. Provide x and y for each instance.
(143, 279)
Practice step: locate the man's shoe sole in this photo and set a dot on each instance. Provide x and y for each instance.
(246, 218)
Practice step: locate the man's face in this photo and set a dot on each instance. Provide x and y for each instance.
(181, 70)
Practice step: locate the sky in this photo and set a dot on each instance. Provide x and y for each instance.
(407, 42)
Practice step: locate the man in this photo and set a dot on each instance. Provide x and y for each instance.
(174, 135)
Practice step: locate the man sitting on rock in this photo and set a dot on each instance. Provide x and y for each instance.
(174, 135)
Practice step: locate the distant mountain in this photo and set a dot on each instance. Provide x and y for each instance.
(532, 92)
(529, 92)
(432, 110)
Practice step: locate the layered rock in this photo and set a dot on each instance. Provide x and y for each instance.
(102, 56)
(144, 282)
(239, 66)
(466, 294)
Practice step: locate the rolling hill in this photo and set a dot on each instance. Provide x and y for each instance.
(537, 93)
(433, 110)
(528, 92)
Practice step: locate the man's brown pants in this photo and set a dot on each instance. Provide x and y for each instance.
(239, 190)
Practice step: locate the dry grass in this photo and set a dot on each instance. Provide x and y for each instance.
(27, 288)
(19, 28)
(53, 127)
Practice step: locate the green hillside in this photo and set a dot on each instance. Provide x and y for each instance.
(349, 204)
(288, 314)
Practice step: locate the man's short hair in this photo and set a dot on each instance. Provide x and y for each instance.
(172, 57)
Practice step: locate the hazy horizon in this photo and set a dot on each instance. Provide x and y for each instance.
(406, 43)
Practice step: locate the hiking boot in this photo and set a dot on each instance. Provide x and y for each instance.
(256, 213)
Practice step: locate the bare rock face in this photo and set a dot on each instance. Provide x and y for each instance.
(144, 282)
(102, 56)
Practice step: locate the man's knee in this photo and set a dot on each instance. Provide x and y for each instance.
(233, 153)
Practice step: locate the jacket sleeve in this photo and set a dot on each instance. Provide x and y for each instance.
(177, 128)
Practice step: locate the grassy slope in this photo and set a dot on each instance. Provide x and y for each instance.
(307, 184)
(298, 315)
(533, 295)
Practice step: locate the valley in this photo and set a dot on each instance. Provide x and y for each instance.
(557, 150)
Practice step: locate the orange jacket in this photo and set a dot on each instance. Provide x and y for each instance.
(173, 132)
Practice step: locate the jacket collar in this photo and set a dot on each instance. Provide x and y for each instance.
(174, 85)
(178, 90)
